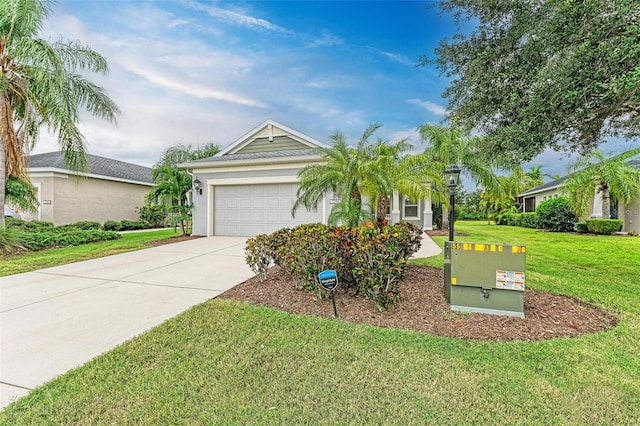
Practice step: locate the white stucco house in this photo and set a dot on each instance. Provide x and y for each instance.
(629, 214)
(249, 187)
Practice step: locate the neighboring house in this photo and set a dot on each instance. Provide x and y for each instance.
(629, 214)
(112, 190)
(249, 187)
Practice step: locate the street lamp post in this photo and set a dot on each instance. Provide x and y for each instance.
(453, 172)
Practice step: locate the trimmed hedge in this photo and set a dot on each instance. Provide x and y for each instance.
(581, 228)
(370, 259)
(604, 226)
(71, 237)
(556, 215)
(525, 220)
(30, 226)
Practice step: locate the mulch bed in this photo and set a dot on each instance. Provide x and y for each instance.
(422, 307)
(172, 240)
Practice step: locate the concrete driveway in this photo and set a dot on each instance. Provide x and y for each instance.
(55, 319)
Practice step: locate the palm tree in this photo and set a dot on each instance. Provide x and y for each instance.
(450, 146)
(40, 84)
(606, 174)
(380, 168)
(21, 194)
(342, 174)
(172, 186)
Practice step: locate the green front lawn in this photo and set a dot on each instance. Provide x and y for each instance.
(130, 241)
(225, 362)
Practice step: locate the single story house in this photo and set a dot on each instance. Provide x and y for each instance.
(249, 187)
(111, 190)
(629, 214)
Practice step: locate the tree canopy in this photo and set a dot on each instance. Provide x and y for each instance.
(537, 73)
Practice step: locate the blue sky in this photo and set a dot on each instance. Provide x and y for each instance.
(187, 71)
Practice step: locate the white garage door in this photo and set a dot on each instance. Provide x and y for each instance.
(248, 210)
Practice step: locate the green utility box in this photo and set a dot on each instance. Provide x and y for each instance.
(486, 278)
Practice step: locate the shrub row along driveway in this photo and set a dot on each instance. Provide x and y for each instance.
(58, 318)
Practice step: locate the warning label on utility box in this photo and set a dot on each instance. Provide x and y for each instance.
(510, 280)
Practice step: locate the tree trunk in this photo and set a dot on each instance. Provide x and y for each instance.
(445, 218)
(3, 178)
(606, 202)
(381, 211)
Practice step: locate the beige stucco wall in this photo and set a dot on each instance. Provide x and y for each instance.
(66, 200)
(630, 216)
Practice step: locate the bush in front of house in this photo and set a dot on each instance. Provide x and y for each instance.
(112, 225)
(556, 215)
(604, 226)
(28, 226)
(65, 237)
(373, 260)
(379, 259)
(581, 228)
(84, 225)
(154, 214)
(524, 220)
(309, 250)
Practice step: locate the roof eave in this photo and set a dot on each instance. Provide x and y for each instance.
(315, 158)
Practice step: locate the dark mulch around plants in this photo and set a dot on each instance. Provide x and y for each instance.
(172, 240)
(422, 307)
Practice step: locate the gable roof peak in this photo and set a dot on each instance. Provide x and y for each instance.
(270, 124)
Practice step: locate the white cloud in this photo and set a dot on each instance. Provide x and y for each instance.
(395, 57)
(236, 18)
(429, 106)
(327, 40)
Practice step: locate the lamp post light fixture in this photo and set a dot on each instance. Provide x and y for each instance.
(197, 185)
(453, 173)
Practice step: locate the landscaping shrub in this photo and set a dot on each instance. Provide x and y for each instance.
(133, 225)
(259, 255)
(86, 225)
(581, 227)
(604, 226)
(380, 258)
(112, 225)
(555, 215)
(311, 249)
(374, 260)
(154, 214)
(529, 220)
(30, 226)
(63, 238)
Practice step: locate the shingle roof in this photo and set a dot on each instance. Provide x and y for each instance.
(543, 187)
(97, 165)
(559, 182)
(256, 155)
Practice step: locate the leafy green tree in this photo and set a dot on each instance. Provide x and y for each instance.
(606, 174)
(173, 184)
(448, 146)
(170, 190)
(181, 153)
(41, 83)
(534, 177)
(534, 74)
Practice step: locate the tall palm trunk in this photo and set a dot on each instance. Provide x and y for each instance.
(3, 180)
(381, 211)
(445, 217)
(606, 202)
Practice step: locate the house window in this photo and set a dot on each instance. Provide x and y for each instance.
(410, 209)
(530, 204)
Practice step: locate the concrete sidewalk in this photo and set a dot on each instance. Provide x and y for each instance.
(55, 319)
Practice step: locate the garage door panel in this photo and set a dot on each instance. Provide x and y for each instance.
(248, 210)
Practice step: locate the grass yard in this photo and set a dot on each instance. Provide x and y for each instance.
(130, 241)
(225, 362)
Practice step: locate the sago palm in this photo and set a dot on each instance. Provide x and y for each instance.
(41, 85)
